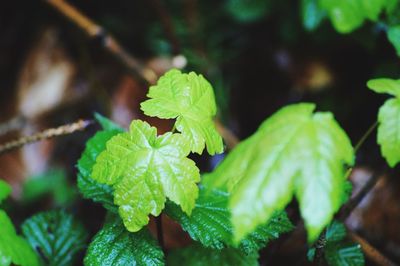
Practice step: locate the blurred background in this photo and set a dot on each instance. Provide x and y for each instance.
(57, 67)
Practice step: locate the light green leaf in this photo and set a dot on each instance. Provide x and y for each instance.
(312, 14)
(389, 131)
(385, 85)
(113, 245)
(5, 190)
(393, 35)
(144, 169)
(106, 123)
(294, 152)
(13, 248)
(90, 188)
(190, 99)
(209, 223)
(197, 255)
(56, 235)
(372, 8)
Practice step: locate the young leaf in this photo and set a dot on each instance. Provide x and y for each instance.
(388, 118)
(385, 85)
(56, 235)
(145, 169)
(90, 188)
(5, 190)
(389, 131)
(190, 99)
(197, 255)
(13, 248)
(209, 223)
(113, 245)
(295, 152)
(312, 14)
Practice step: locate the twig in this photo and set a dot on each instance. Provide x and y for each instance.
(365, 136)
(371, 252)
(95, 31)
(230, 138)
(46, 134)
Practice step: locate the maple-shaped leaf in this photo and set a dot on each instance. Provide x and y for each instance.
(294, 152)
(144, 169)
(14, 248)
(190, 99)
(389, 119)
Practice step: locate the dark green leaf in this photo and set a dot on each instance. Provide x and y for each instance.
(90, 188)
(209, 223)
(197, 255)
(248, 10)
(114, 245)
(56, 235)
(344, 254)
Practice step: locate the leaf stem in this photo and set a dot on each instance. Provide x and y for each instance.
(160, 233)
(365, 136)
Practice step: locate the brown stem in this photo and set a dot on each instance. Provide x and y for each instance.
(94, 30)
(46, 134)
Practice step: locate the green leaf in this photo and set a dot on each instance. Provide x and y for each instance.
(107, 124)
(90, 188)
(312, 14)
(13, 248)
(196, 255)
(346, 15)
(344, 254)
(248, 10)
(144, 169)
(190, 99)
(393, 35)
(389, 131)
(5, 190)
(338, 251)
(385, 85)
(294, 152)
(113, 245)
(56, 235)
(209, 223)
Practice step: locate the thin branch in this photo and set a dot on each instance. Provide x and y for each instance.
(46, 134)
(95, 31)
(372, 253)
(365, 136)
(230, 138)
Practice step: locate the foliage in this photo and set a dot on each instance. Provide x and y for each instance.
(210, 225)
(145, 169)
(190, 99)
(388, 118)
(114, 245)
(294, 152)
(56, 235)
(197, 255)
(338, 251)
(5, 190)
